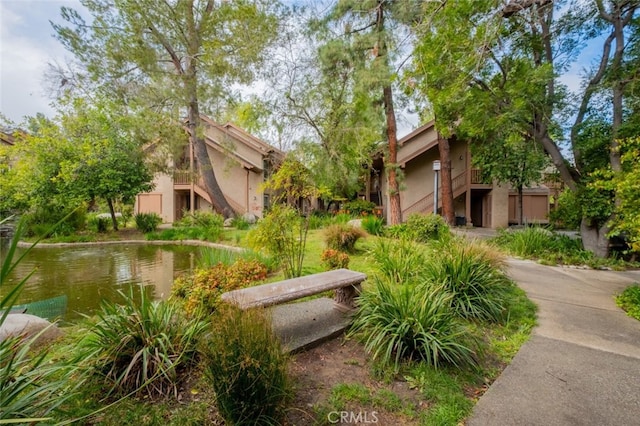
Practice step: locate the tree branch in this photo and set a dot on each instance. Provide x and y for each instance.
(175, 59)
(586, 97)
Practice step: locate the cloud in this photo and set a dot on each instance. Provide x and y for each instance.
(26, 45)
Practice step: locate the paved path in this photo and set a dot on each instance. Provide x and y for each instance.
(582, 363)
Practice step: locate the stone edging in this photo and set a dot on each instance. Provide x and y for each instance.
(24, 244)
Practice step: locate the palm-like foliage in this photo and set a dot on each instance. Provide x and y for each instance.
(411, 322)
(142, 346)
(471, 273)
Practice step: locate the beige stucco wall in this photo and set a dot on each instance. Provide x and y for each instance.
(499, 207)
(164, 187)
(240, 186)
(229, 142)
(418, 179)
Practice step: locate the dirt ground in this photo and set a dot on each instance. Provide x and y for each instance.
(316, 371)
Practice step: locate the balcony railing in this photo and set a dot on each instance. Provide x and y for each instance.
(181, 177)
(476, 176)
(185, 177)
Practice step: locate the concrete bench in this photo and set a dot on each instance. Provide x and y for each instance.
(344, 281)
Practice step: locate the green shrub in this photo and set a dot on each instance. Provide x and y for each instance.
(334, 259)
(282, 233)
(239, 222)
(428, 227)
(142, 347)
(629, 300)
(399, 261)
(359, 207)
(568, 211)
(398, 231)
(201, 290)
(374, 225)
(340, 218)
(200, 218)
(100, 224)
(411, 323)
(147, 222)
(247, 368)
(471, 272)
(55, 222)
(342, 237)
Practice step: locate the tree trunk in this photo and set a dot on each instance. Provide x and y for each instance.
(190, 79)
(114, 220)
(520, 206)
(220, 203)
(395, 212)
(446, 184)
(594, 238)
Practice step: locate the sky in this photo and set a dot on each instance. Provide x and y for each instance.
(27, 45)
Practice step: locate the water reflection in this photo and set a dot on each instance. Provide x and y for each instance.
(90, 274)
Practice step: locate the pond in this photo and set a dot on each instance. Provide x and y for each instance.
(86, 275)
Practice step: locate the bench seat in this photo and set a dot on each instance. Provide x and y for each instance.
(345, 281)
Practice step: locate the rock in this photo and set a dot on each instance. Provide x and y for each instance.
(228, 222)
(356, 223)
(250, 218)
(27, 326)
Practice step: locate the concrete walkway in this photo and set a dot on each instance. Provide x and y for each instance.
(582, 363)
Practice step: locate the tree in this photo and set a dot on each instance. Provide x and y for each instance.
(111, 162)
(192, 48)
(283, 231)
(88, 152)
(375, 26)
(516, 161)
(488, 67)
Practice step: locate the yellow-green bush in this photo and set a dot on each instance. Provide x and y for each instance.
(202, 289)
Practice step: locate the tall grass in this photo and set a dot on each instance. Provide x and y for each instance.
(470, 272)
(374, 225)
(247, 368)
(210, 257)
(342, 237)
(141, 347)
(410, 322)
(399, 261)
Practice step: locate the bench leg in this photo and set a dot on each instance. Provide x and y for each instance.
(345, 297)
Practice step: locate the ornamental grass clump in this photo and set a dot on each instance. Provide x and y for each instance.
(247, 368)
(399, 261)
(342, 237)
(373, 225)
(411, 322)
(142, 347)
(471, 273)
